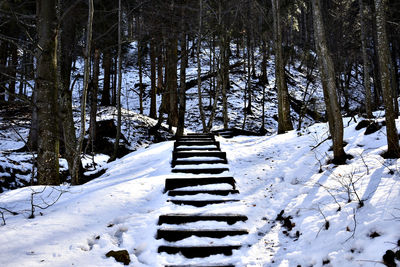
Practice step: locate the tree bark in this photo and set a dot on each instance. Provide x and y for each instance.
(118, 92)
(86, 77)
(46, 84)
(384, 63)
(93, 100)
(284, 120)
(105, 96)
(327, 73)
(182, 87)
(367, 82)
(3, 61)
(65, 58)
(172, 60)
(200, 97)
(153, 90)
(13, 73)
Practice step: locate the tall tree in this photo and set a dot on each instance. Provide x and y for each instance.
(384, 63)
(118, 93)
(284, 120)
(87, 63)
(367, 82)
(327, 73)
(47, 93)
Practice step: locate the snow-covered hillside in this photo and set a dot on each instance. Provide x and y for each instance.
(344, 215)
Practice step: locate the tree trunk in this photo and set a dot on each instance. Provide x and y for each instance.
(284, 120)
(367, 82)
(384, 63)
(105, 97)
(118, 92)
(327, 73)
(3, 61)
(46, 84)
(140, 65)
(172, 60)
(93, 100)
(13, 73)
(153, 90)
(201, 110)
(66, 45)
(182, 86)
(86, 77)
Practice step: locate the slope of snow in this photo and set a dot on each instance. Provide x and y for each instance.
(120, 209)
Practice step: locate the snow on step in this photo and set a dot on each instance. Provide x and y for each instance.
(198, 252)
(173, 235)
(201, 203)
(200, 170)
(173, 183)
(197, 148)
(197, 192)
(188, 154)
(207, 221)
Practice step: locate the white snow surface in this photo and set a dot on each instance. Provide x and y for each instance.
(120, 209)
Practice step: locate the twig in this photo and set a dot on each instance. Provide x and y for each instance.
(355, 226)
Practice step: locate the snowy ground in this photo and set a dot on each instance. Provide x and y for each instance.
(120, 209)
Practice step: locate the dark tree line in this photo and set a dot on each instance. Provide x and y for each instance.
(41, 42)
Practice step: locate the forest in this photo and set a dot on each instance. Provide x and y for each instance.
(87, 84)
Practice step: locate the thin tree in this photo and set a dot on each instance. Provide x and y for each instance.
(201, 110)
(367, 82)
(86, 77)
(46, 89)
(118, 96)
(284, 120)
(327, 73)
(384, 62)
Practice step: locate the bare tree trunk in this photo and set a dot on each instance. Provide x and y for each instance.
(284, 120)
(46, 84)
(105, 97)
(172, 59)
(86, 76)
(327, 73)
(3, 61)
(65, 57)
(201, 110)
(118, 93)
(367, 82)
(384, 63)
(182, 86)
(93, 101)
(140, 63)
(13, 73)
(153, 90)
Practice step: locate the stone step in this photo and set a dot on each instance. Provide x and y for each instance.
(201, 170)
(198, 252)
(197, 162)
(196, 143)
(199, 134)
(189, 218)
(173, 235)
(173, 183)
(196, 137)
(205, 148)
(201, 203)
(173, 193)
(189, 154)
(190, 265)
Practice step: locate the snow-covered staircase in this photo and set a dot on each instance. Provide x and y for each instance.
(204, 234)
